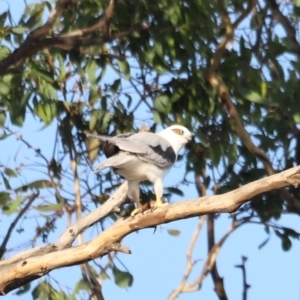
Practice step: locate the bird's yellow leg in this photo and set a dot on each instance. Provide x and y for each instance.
(139, 207)
(159, 202)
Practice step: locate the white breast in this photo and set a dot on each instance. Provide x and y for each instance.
(137, 170)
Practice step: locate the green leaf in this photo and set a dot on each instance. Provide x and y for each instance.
(44, 74)
(12, 207)
(162, 104)
(115, 86)
(81, 285)
(4, 88)
(50, 207)
(42, 291)
(4, 197)
(91, 70)
(2, 122)
(122, 279)
(103, 275)
(125, 68)
(286, 243)
(46, 111)
(4, 52)
(296, 116)
(157, 117)
(23, 289)
(39, 184)
(251, 95)
(19, 29)
(173, 232)
(9, 172)
(6, 182)
(215, 153)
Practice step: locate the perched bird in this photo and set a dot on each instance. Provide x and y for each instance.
(143, 156)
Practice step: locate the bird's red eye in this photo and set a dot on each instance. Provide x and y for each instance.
(178, 131)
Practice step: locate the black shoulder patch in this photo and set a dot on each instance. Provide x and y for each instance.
(110, 149)
(168, 154)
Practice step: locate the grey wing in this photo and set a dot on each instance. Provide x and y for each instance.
(124, 142)
(158, 150)
(114, 161)
(147, 146)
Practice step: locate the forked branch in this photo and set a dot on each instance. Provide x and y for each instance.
(16, 274)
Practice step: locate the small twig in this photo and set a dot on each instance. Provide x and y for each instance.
(246, 286)
(31, 198)
(218, 281)
(210, 261)
(40, 38)
(289, 29)
(94, 286)
(101, 25)
(189, 263)
(226, 100)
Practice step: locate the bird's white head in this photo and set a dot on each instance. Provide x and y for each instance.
(177, 135)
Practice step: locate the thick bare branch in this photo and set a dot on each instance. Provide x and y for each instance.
(15, 274)
(68, 237)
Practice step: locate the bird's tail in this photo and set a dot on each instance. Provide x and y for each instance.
(100, 137)
(113, 162)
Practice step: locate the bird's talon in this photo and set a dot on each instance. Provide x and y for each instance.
(158, 206)
(136, 212)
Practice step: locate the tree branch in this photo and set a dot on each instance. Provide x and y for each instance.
(209, 264)
(15, 274)
(189, 262)
(213, 250)
(246, 286)
(289, 29)
(68, 237)
(216, 82)
(31, 198)
(101, 25)
(39, 38)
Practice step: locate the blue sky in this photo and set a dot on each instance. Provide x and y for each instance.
(158, 260)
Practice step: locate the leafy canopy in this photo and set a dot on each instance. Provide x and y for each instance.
(228, 70)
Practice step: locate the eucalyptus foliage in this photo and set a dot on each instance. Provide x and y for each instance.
(107, 66)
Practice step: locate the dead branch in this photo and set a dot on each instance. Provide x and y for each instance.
(18, 272)
(189, 262)
(68, 237)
